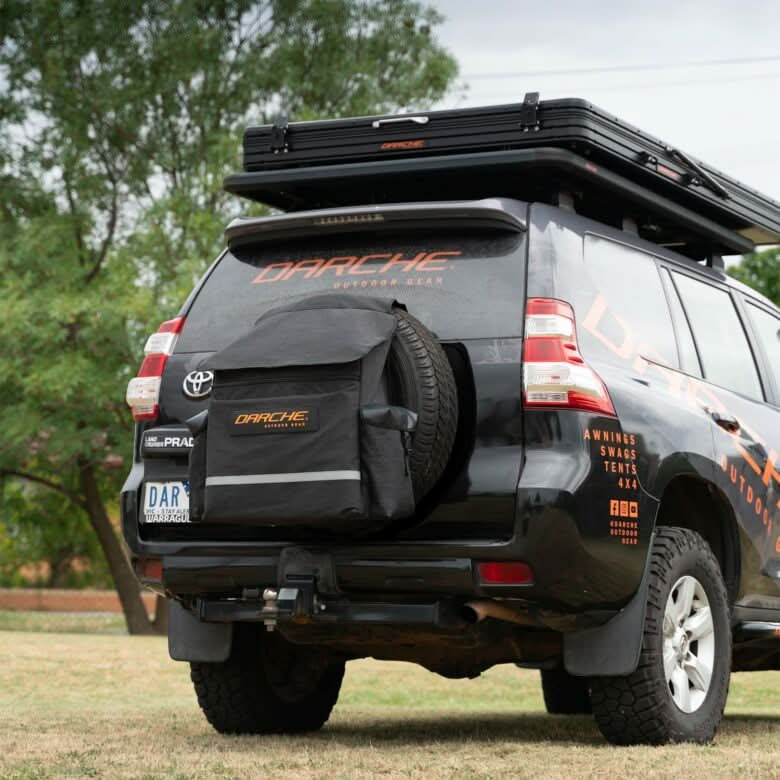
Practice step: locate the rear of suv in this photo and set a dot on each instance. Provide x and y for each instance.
(460, 434)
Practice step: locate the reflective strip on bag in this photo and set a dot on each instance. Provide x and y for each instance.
(273, 479)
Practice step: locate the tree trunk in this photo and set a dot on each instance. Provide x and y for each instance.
(126, 584)
(161, 615)
(59, 570)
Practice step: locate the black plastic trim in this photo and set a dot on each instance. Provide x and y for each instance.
(491, 212)
(613, 649)
(189, 639)
(292, 188)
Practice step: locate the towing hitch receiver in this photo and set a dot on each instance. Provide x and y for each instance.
(296, 601)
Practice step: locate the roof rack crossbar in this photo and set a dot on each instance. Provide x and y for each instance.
(388, 181)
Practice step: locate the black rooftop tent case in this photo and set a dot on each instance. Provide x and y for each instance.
(528, 150)
(299, 431)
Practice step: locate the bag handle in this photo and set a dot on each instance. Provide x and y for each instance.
(395, 418)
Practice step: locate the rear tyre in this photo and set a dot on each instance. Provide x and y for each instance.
(421, 379)
(267, 685)
(565, 694)
(679, 689)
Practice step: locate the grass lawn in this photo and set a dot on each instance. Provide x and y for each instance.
(102, 705)
(63, 622)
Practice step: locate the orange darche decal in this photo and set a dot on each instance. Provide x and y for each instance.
(619, 508)
(297, 416)
(627, 530)
(617, 451)
(394, 145)
(750, 496)
(614, 437)
(696, 395)
(275, 421)
(355, 265)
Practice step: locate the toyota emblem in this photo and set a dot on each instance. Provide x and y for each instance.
(197, 384)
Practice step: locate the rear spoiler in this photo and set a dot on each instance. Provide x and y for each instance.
(490, 213)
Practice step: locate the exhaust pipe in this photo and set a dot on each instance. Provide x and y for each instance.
(477, 611)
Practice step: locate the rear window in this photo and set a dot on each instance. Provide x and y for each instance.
(461, 286)
(721, 341)
(767, 328)
(621, 306)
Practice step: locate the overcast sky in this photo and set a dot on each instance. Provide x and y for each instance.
(727, 115)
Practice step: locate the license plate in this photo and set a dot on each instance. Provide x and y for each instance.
(166, 502)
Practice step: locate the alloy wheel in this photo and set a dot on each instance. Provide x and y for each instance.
(688, 644)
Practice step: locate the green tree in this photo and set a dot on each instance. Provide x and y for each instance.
(761, 271)
(28, 537)
(118, 122)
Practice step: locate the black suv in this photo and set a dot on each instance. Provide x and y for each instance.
(462, 433)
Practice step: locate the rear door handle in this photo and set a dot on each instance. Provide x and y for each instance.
(726, 421)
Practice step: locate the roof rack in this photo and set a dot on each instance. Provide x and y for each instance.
(536, 174)
(532, 150)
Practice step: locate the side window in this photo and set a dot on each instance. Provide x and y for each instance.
(623, 308)
(689, 360)
(767, 329)
(725, 354)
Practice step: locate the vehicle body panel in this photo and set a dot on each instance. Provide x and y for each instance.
(573, 494)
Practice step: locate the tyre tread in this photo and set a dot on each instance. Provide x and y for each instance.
(565, 694)
(437, 412)
(635, 709)
(236, 697)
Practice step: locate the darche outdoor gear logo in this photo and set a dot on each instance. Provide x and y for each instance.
(274, 421)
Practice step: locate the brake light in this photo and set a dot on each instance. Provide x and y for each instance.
(505, 573)
(554, 372)
(143, 391)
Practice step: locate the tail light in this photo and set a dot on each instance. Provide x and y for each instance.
(554, 372)
(143, 392)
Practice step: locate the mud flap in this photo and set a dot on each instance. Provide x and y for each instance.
(611, 650)
(190, 639)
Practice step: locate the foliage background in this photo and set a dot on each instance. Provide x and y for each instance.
(761, 270)
(118, 122)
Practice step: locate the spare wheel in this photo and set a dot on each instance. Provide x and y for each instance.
(420, 378)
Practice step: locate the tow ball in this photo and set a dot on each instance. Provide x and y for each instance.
(298, 603)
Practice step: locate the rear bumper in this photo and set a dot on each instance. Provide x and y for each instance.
(569, 580)
(562, 530)
(356, 575)
(446, 635)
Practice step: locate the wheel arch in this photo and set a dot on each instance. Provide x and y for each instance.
(699, 505)
(690, 502)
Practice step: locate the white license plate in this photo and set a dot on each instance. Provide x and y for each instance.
(166, 502)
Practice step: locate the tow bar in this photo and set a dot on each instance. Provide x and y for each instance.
(308, 592)
(296, 601)
(299, 604)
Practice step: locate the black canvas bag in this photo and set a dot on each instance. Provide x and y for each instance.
(197, 463)
(299, 429)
